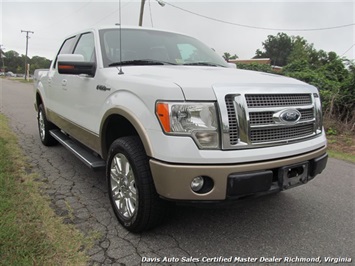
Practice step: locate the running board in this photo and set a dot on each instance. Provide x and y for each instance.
(84, 155)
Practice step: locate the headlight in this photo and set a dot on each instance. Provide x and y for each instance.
(198, 120)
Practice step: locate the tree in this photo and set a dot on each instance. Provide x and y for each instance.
(13, 61)
(37, 62)
(16, 63)
(256, 67)
(336, 83)
(325, 70)
(227, 56)
(301, 50)
(277, 48)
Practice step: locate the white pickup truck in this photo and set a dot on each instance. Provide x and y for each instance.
(171, 121)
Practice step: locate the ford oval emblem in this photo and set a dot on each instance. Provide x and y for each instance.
(290, 116)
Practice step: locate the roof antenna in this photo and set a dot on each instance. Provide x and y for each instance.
(120, 32)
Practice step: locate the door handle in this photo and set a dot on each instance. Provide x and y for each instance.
(64, 84)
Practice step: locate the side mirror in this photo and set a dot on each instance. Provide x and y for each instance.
(74, 64)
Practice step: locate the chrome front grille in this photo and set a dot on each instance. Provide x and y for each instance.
(307, 114)
(283, 133)
(254, 120)
(276, 100)
(261, 118)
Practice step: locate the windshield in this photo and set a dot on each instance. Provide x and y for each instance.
(151, 47)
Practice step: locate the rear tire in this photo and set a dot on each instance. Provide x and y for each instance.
(132, 193)
(44, 126)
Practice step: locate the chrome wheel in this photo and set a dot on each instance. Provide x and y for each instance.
(131, 189)
(42, 126)
(123, 186)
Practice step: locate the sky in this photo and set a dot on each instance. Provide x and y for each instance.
(233, 26)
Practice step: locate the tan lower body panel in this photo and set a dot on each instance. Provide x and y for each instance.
(86, 137)
(173, 181)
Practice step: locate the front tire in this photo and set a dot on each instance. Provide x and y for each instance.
(131, 188)
(44, 126)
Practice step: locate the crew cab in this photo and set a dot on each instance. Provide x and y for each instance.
(170, 121)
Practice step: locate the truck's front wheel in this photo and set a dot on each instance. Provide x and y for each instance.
(131, 189)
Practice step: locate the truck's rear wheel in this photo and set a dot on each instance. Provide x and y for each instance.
(131, 189)
(44, 126)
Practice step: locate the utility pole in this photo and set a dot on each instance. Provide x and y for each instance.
(160, 2)
(27, 37)
(141, 13)
(2, 57)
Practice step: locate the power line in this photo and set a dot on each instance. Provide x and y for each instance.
(111, 13)
(348, 50)
(65, 18)
(150, 12)
(255, 27)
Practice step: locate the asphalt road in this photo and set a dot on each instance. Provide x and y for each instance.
(311, 221)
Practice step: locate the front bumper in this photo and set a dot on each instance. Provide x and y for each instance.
(172, 181)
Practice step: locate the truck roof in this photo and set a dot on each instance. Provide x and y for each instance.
(117, 26)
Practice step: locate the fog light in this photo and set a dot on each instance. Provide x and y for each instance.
(208, 139)
(197, 183)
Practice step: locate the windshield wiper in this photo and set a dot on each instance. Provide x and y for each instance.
(202, 64)
(140, 62)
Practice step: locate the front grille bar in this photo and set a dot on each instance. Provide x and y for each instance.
(277, 100)
(265, 117)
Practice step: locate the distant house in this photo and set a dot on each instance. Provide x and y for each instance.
(262, 61)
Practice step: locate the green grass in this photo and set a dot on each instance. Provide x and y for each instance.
(30, 232)
(22, 80)
(341, 155)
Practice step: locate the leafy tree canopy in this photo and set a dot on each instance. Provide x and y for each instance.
(15, 62)
(332, 75)
(277, 48)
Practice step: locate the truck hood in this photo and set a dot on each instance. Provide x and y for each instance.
(200, 83)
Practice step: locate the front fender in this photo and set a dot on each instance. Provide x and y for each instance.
(134, 97)
(138, 107)
(135, 122)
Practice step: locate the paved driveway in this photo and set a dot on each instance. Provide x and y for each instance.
(316, 220)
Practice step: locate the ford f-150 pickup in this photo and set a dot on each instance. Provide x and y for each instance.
(171, 121)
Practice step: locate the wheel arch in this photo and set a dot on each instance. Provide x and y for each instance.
(120, 122)
(39, 101)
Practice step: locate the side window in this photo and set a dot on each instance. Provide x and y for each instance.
(86, 47)
(67, 48)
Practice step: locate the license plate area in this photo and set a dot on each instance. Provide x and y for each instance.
(293, 175)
